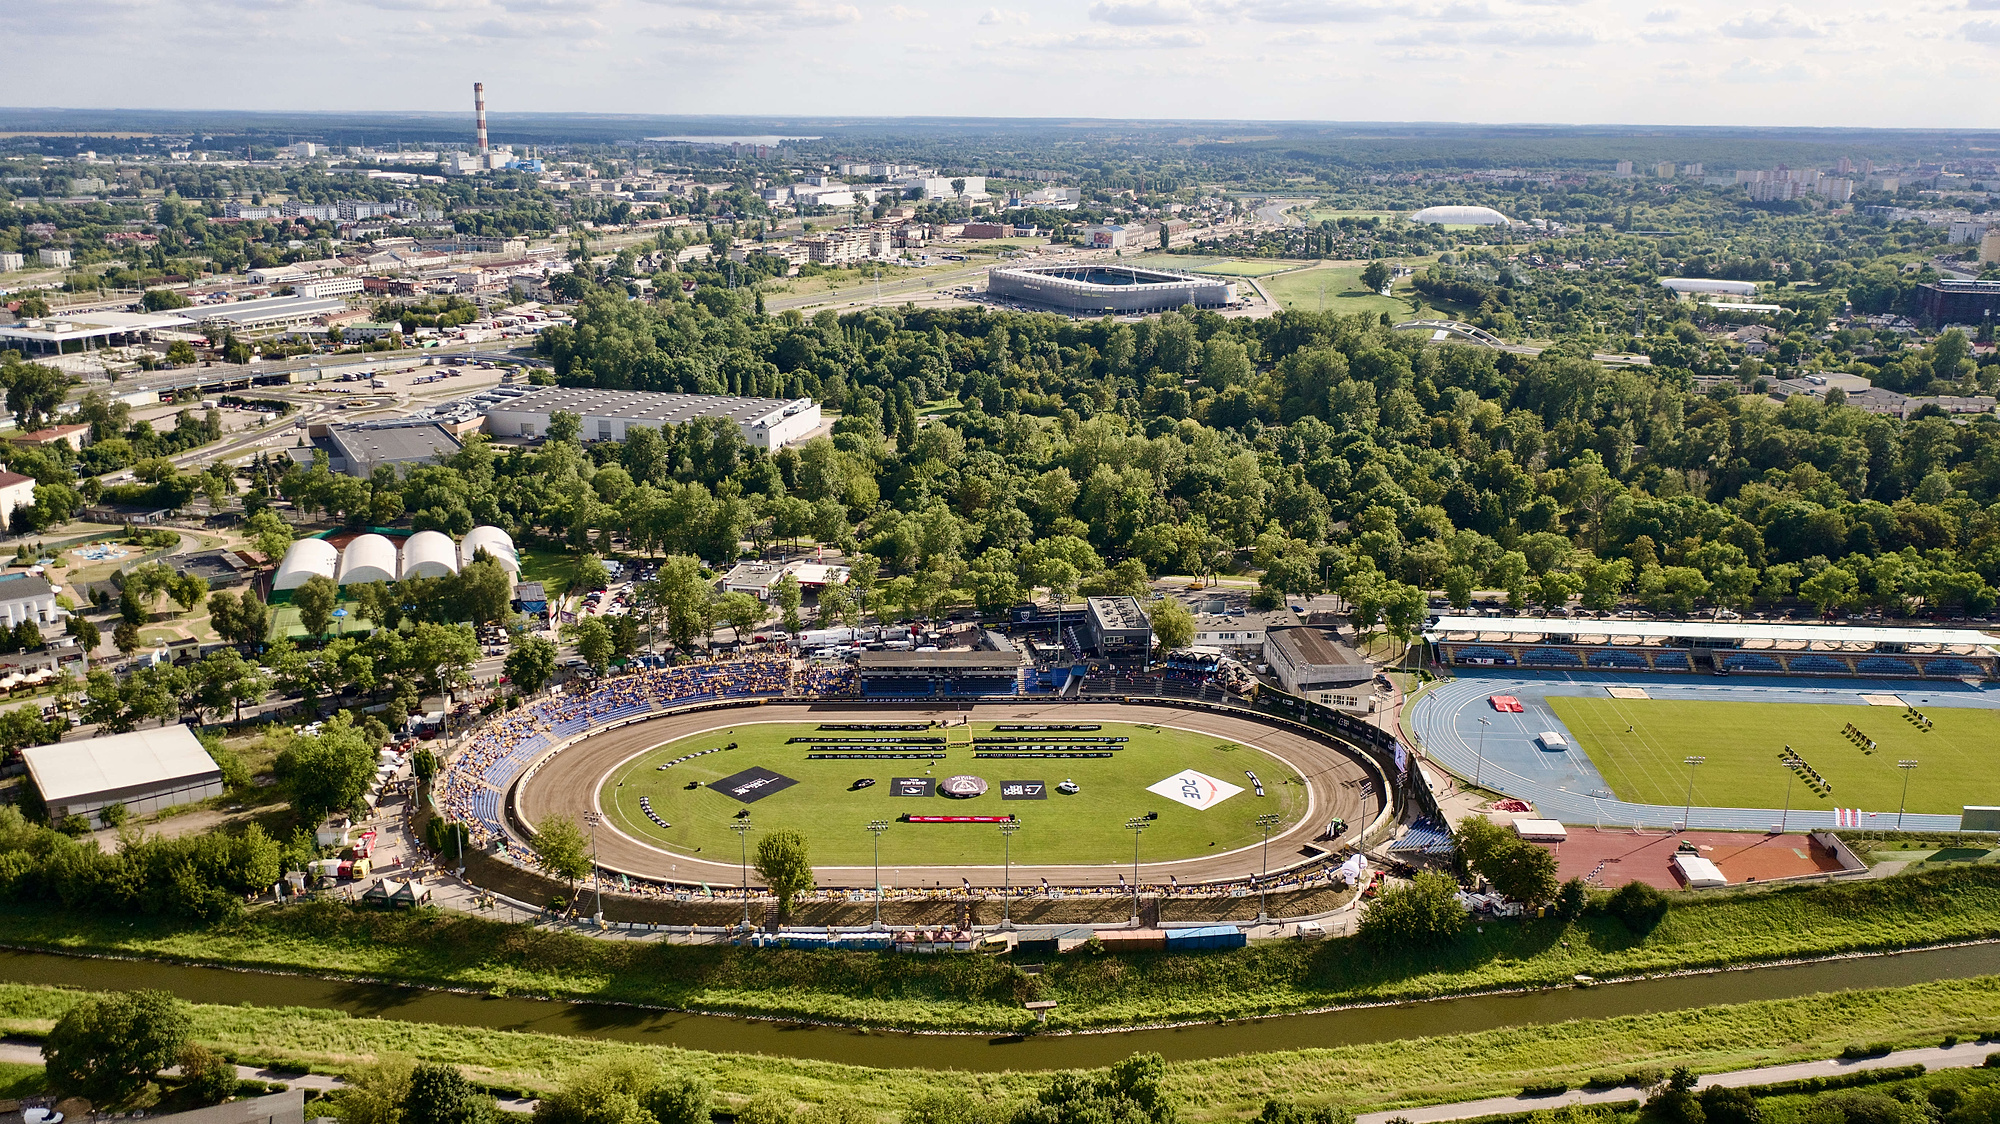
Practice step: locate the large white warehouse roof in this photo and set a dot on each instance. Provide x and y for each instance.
(370, 558)
(429, 554)
(1461, 216)
(302, 560)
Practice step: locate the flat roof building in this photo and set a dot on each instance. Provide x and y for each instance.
(1314, 666)
(82, 331)
(1117, 627)
(269, 313)
(1960, 302)
(766, 423)
(145, 770)
(358, 450)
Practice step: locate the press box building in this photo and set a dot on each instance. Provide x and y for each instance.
(1117, 627)
(766, 423)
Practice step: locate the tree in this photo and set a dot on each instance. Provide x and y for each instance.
(315, 601)
(165, 300)
(440, 1094)
(1523, 872)
(593, 643)
(591, 574)
(85, 632)
(836, 605)
(107, 1047)
(1374, 275)
(530, 663)
(1423, 913)
(1173, 624)
(789, 597)
(784, 866)
(681, 1100)
(181, 354)
(208, 1077)
(327, 771)
(224, 681)
(34, 393)
(742, 612)
(1133, 1091)
(564, 427)
(271, 535)
(614, 1092)
(563, 849)
(1832, 588)
(126, 638)
(1639, 906)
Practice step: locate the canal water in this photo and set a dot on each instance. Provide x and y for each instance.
(980, 1052)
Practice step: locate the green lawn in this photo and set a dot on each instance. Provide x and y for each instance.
(1087, 827)
(1320, 216)
(285, 622)
(554, 569)
(1956, 762)
(1343, 292)
(1222, 267)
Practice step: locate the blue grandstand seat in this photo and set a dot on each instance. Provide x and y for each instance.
(1551, 657)
(1885, 665)
(1426, 837)
(1951, 667)
(1750, 661)
(1617, 659)
(1670, 661)
(1819, 663)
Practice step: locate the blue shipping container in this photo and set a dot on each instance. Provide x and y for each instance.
(1206, 937)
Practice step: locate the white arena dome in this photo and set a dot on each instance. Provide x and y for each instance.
(429, 554)
(1710, 285)
(370, 558)
(1461, 216)
(302, 560)
(493, 541)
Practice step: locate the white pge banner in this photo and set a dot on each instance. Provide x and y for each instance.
(1197, 790)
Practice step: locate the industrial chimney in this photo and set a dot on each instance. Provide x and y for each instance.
(479, 108)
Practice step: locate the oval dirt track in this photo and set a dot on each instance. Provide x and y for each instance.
(1340, 785)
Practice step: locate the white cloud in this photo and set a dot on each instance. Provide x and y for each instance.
(1116, 40)
(1313, 11)
(1142, 13)
(1664, 15)
(1767, 70)
(1471, 11)
(994, 17)
(1982, 31)
(899, 13)
(1786, 22)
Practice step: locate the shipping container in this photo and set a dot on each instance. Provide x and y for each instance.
(1206, 937)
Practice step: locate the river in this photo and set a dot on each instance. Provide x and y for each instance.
(984, 1053)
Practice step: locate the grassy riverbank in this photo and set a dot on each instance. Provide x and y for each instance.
(979, 993)
(1379, 1075)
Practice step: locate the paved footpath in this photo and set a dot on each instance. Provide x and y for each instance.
(1962, 1056)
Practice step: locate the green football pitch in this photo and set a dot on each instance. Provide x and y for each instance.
(1087, 827)
(1640, 746)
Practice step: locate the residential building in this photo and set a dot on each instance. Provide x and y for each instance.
(61, 259)
(75, 436)
(16, 492)
(10, 262)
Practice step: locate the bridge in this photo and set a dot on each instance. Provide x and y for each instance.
(1472, 333)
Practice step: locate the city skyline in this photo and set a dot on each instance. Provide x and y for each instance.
(1693, 62)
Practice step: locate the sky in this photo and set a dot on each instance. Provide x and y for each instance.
(1924, 63)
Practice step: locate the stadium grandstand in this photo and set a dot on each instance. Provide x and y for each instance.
(1099, 289)
(1720, 647)
(922, 675)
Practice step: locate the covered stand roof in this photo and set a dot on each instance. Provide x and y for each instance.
(1726, 632)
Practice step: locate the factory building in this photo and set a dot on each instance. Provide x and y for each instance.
(358, 450)
(766, 423)
(269, 314)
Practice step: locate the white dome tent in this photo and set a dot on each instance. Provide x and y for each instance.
(369, 558)
(493, 541)
(429, 554)
(1461, 216)
(302, 560)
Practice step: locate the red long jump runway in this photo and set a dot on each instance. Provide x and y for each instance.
(1648, 857)
(567, 785)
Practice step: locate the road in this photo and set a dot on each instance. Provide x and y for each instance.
(1273, 212)
(1965, 1055)
(1338, 786)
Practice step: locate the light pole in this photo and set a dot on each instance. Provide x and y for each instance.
(1137, 826)
(596, 875)
(1690, 762)
(742, 829)
(1480, 768)
(1905, 766)
(1791, 777)
(1267, 821)
(1007, 831)
(876, 828)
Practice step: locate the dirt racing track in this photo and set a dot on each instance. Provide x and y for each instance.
(1342, 783)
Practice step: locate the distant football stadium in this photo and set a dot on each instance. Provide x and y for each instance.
(1100, 289)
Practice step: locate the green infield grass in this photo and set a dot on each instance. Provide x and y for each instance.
(1956, 764)
(1221, 267)
(1087, 827)
(1343, 292)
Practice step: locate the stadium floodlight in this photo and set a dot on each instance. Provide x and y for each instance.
(1690, 762)
(1137, 826)
(1906, 767)
(596, 874)
(1479, 768)
(742, 829)
(876, 828)
(1007, 830)
(1267, 821)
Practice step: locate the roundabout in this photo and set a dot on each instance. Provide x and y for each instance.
(1190, 784)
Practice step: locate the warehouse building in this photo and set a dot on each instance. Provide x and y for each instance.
(1098, 290)
(269, 314)
(1318, 668)
(766, 423)
(145, 770)
(358, 450)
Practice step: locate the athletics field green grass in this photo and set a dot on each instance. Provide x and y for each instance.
(1956, 759)
(1088, 827)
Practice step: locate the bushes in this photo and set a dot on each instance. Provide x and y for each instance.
(1857, 1052)
(1638, 906)
(201, 877)
(1424, 913)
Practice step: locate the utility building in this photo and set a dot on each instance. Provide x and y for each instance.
(766, 423)
(145, 770)
(1117, 628)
